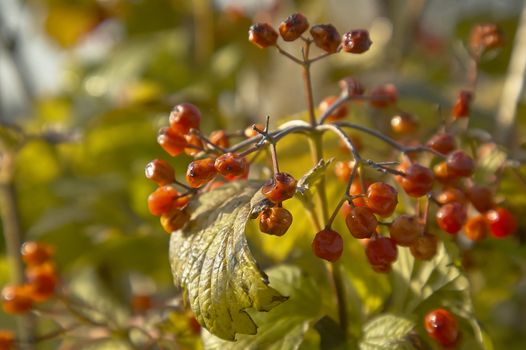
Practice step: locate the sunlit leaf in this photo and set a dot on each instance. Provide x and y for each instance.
(211, 261)
(387, 332)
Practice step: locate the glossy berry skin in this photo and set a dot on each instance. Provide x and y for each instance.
(461, 107)
(200, 172)
(418, 180)
(194, 145)
(16, 299)
(337, 114)
(424, 247)
(262, 35)
(481, 198)
(162, 200)
(160, 172)
(326, 37)
(43, 280)
(361, 222)
(459, 164)
(442, 173)
(356, 41)
(405, 229)
(381, 198)
(343, 170)
(328, 245)
(442, 326)
(275, 221)
(36, 253)
(279, 188)
(384, 96)
(450, 195)
(476, 228)
(230, 164)
(403, 123)
(184, 116)
(501, 222)
(172, 142)
(219, 138)
(7, 339)
(174, 220)
(451, 217)
(442, 143)
(381, 253)
(293, 26)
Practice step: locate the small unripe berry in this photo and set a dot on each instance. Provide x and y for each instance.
(404, 123)
(172, 142)
(328, 245)
(462, 105)
(280, 187)
(160, 172)
(184, 116)
(275, 221)
(442, 326)
(418, 180)
(361, 222)
(262, 35)
(405, 229)
(36, 253)
(476, 228)
(356, 41)
(337, 114)
(16, 299)
(502, 223)
(459, 164)
(442, 143)
(481, 197)
(200, 172)
(293, 26)
(219, 138)
(230, 164)
(381, 198)
(381, 253)
(424, 247)
(451, 217)
(384, 96)
(326, 37)
(174, 220)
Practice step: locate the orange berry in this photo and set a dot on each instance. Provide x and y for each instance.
(16, 299)
(280, 187)
(200, 172)
(172, 142)
(405, 229)
(343, 170)
(162, 200)
(326, 37)
(230, 164)
(461, 108)
(43, 280)
(219, 138)
(160, 172)
(275, 221)
(174, 220)
(195, 141)
(293, 26)
(36, 253)
(418, 180)
(262, 35)
(442, 143)
(424, 247)
(184, 116)
(338, 113)
(327, 245)
(381, 198)
(7, 339)
(361, 222)
(250, 132)
(403, 123)
(450, 195)
(476, 228)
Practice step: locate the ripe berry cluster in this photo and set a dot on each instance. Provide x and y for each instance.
(41, 278)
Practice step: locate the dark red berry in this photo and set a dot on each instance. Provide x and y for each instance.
(280, 187)
(328, 245)
(381, 198)
(405, 229)
(200, 172)
(451, 217)
(351, 86)
(381, 252)
(338, 113)
(501, 221)
(476, 228)
(424, 247)
(442, 143)
(275, 221)
(160, 172)
(461, 108)
(383, 96)
(356, 41)
(361, 222)
(293, 26)
(442, 326)
(481, 197)
(185, 116)
(404, 123)
(326, 37)
(36, 253)
(230, 164)
(262, 35)
(172, 142)
(459, 164)
(418, 180)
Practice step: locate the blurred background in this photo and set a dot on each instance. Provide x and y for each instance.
(85, 84)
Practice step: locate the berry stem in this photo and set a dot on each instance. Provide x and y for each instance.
(205, 140)
(288, 55)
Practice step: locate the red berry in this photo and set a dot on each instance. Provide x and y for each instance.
(141, 302)
(16, 299)
(459, 164)
(462, 105)
(338, 113)
(404, 123)
(194, 145)
(451, 194)
(328, 245)
(43, 279)
(356, 189)
(343, 170)
(476, 228)
(381, 198)
(442, 143)
(451, 217)
(351, 86)
(171, 141)
(162, 200)
(36, 253)
(405, 229)
(200, 172)
(262, 35)
(481, 197)
(293, 26)
(418, 180)
(184, 116)
(280, 187)
(230, 164)
(424, 247)
(502, 223)
(442, 173)
(219, 138)
(383, 96)
(356, 41)
(275, 221)
(174, 220)
(442, 326)
(361, 222)
(381, 253)
(160, 172)
(326, 37)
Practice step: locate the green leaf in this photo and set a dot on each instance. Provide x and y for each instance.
(387, 332)
(211, 261)
(284, 327)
